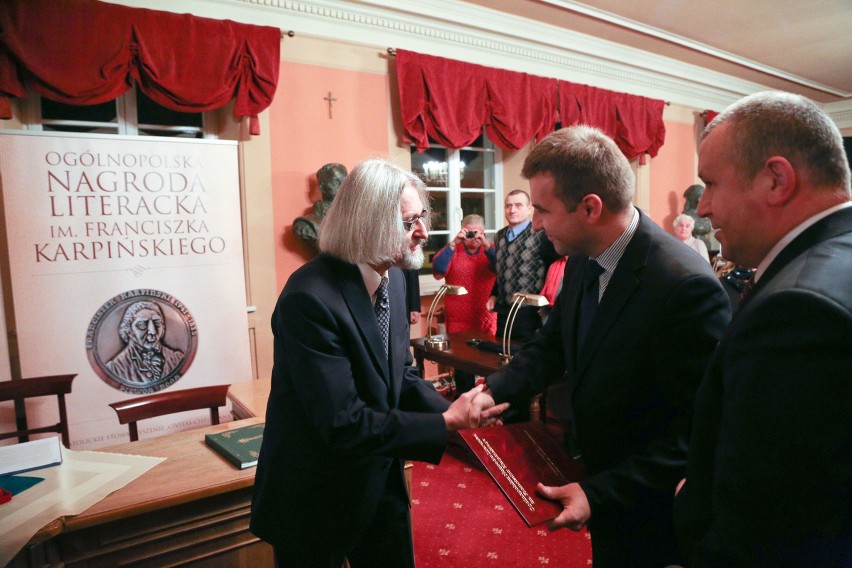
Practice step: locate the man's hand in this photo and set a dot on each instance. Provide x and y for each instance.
(575, 506)
(457, 416)
(489, 305)
(414, 317)
(482, 407)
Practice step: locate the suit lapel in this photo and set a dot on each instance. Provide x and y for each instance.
(834, 225)
(355, 295)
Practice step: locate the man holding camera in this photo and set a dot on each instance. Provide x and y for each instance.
(468, 260)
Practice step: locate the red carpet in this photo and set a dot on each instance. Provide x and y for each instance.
(461, 519)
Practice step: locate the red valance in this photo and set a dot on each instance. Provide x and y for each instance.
(86, 52)
(634, 122)
(450, 101)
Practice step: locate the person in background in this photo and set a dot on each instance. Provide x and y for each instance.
(346, 406)
(522, 257)
(468, 260)
(769, 476)
(683, 225)
(622, 352)
(412, 295)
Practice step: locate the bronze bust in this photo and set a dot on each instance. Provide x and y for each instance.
(703, 228)
(307, 227)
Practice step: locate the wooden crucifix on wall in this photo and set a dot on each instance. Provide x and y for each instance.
(330, 100)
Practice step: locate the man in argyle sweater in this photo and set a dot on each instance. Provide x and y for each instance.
(523, 256)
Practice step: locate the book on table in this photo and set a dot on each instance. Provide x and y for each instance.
(240, 446)
(27, 456)
(519, 456)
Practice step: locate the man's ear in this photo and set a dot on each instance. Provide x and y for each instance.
(779, 177)
(591, 207)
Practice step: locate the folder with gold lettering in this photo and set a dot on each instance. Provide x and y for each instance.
(517, 457)
(240, 446)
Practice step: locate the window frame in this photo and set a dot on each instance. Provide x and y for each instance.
(428, 284)
(126, 124)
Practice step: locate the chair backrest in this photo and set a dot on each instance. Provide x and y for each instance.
(132, 410)
(19, 390)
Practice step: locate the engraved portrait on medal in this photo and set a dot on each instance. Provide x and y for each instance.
(141, 341)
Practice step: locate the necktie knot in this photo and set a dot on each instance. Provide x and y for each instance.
(593, 274)
(382, 294)
(747, 287)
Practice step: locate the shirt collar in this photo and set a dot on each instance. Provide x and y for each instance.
(520, 227)
(372, 279)
(788, 238)
(609, 258)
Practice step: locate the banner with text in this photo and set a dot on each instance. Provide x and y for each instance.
(126, 264)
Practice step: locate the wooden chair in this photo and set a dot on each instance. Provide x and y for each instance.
(19, 390)
(132, 410)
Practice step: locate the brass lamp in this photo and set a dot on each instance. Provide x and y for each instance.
(439, 342)
(518, 299)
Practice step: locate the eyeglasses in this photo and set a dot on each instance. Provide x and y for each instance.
(409, 224)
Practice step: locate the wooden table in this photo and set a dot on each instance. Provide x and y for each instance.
(193, 508)
(466, 357)
(460, 355)
(249, 398)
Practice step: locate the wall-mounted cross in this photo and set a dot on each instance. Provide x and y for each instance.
(330, 100)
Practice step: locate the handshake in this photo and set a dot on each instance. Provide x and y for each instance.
(474, 409)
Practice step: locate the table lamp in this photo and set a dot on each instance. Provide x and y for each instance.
(438, 341)
(518, 299)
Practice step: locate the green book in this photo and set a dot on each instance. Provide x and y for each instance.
(240, 446)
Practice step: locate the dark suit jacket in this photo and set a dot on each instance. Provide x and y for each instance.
(627, 399)
(769, 479)
(340, 419)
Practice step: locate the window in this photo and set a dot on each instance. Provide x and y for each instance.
(132, 114)
(460, 182)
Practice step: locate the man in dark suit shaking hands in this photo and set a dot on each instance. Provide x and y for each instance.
(622, 352)
(346, 405)
(769, 476)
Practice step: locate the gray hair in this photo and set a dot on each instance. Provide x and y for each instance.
(364, 222)
(583, 160)
(473, 219)
(130, 313)
(683, 217)
(774, 123)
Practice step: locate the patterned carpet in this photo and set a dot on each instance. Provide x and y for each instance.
(461, 519)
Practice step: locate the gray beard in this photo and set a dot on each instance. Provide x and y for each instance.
(412, 260)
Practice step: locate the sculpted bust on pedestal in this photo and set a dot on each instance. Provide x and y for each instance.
(703, 228)
(328, 178)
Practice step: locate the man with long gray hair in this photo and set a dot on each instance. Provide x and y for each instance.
(346, 405)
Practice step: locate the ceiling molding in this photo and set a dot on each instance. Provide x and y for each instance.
(840, 113)
(658, 33)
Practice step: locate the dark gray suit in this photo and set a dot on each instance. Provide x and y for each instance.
(627, 399)
(769, 477)
(341, 418)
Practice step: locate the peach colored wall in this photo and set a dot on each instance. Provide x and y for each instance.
(672, 171)
(303, 138)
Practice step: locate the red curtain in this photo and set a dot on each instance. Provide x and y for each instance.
(634, 122)
(86, 52)
(450, 101)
